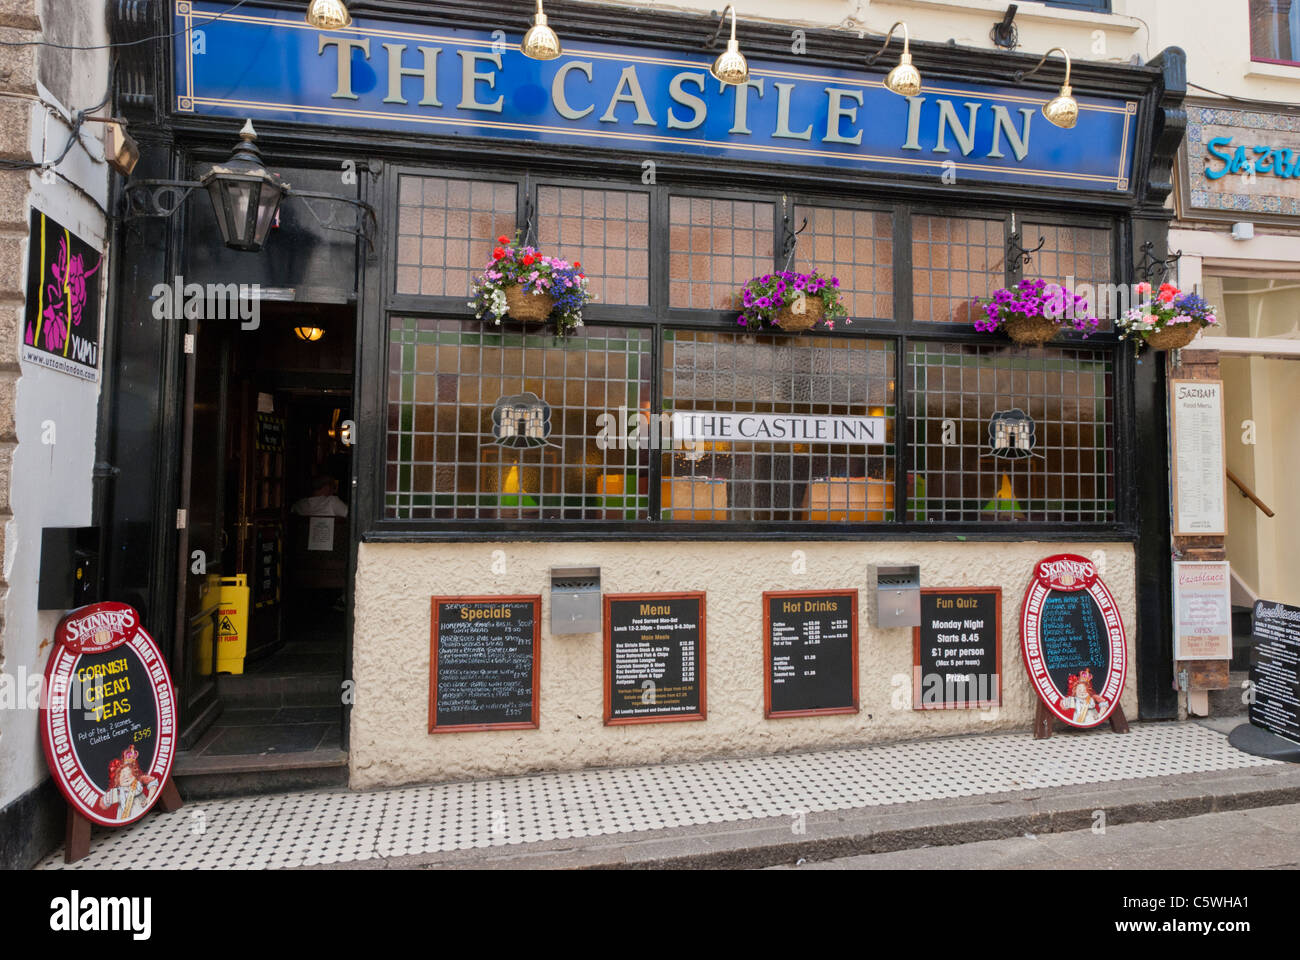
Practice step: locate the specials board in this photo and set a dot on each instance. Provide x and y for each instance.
(1073, 641)
(957, 649)
(1202, 610)
(1200, 490)
(810, 647)
(654, 657)
(108, 722)
(484, 663)
(1275, 675)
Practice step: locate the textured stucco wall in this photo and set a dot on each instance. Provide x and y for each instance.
(394, 582)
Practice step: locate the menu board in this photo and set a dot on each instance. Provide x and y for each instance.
(654, 657)
(1202, 610)
(108, 722)
(1275, 676)
(1199, 469)
(1073, 640)
(957, 649)
(810, 644)
(484, 663)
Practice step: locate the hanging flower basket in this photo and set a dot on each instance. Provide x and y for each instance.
(530, 287)
(1034, 312)
(790, 302)
(1167, 320)
(528, 307)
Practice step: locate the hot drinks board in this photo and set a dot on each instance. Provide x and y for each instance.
(810, 644)
(654, 657)
(957, 649)
(484, 663)
(1275, 676)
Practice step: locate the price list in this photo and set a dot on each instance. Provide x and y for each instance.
(484, 663)
(1275, 677)
(654, 657)
(811, 644)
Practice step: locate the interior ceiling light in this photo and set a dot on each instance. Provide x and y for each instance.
(308, 333)
(540, 42)
(730, 67)
(1062, 110)
(904, 79)
(328, 14)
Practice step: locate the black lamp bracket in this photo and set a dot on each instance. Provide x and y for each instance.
(363, 224)
(156, 198)
(1154, 270)
(1016, 251)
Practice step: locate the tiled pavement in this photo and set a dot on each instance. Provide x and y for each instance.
(340, 826)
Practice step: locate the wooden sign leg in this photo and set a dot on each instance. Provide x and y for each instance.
(1042, 722)
(1118, 722)
(170, 798)
(76, 842)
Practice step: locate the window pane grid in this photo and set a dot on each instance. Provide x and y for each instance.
(445, 378)
(954, 260)
(446, 229)
(607, 231)
(1081, 253)
(958, 389)
(857, 246)
(778, 481)
(714, 247)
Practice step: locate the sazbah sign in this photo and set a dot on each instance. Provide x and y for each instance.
(1073, 640)
(108, 720)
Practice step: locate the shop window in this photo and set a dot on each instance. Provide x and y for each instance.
(954, 261)
(607, 231)
(446, 229)
(1081, 253)
(795, 382)
(857, 246)
(714, 247)
(507, 425)
(1002, 434)
(1275, 30)
(1097, 6)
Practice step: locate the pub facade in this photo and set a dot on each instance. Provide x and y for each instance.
(664, 534)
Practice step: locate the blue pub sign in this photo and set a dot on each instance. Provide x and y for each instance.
(459, 82)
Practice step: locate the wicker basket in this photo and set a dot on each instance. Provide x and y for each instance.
(1031, 330)
(813, 313)
(1173, 338)
(528, 307)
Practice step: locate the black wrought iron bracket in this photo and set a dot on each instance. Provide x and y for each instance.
(162, 198)
(1015, 251)
(791, 239)
(1151, 268)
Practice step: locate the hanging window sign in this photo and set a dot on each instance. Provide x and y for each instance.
(654, 657)
(108, 722)
(459, 82)
(777, 428)
(1012, 435)
(1202, 610)
(61, 320)
(1073, 641)
(523, 420)
(1199, 470)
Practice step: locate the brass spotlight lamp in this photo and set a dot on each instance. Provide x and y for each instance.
(731, 66)
(1062, 110)
(328, 14)
(540, 42)
(904, 79)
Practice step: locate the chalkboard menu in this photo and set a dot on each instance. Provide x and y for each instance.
(1073, 640)
(108, 722)
(654, 657)
(810, 644)
(1275, 676)
(484, 663)
(957, 649)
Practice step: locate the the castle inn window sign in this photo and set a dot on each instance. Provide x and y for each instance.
(462, 82)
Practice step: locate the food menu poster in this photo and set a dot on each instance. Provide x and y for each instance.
(654, 657)
(1275, 675)
(811, 643)
(484, 663)
(1202, 610)
(1199, 468)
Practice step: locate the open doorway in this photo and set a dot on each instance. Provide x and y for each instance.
(276, 671)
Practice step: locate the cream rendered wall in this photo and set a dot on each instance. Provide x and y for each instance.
(389, 739)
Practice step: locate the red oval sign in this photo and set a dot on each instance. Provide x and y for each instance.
(108, 714)
(1073, 640)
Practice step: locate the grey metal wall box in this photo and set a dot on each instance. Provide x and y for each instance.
(575, 600)
(898, 595)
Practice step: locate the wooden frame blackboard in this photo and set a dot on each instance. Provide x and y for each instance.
(853, 705)
(918, 659)
(434, 625)
(701, 686)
